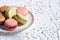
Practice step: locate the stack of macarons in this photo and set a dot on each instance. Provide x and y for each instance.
(11, 17)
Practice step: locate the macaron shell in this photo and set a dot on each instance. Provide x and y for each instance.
(3, 8)
(22, 10)
(2, 18)
(7, 28)
(20, 18)
(10, 12)
(11, 23)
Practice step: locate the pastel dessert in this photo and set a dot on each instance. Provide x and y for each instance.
(22, 10)
(10, 12)
(10, 24)
(20, 18)
(12, 17)
(3, 8)
(2, 18)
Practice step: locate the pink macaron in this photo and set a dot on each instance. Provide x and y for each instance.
(22, 10)
(10, 24)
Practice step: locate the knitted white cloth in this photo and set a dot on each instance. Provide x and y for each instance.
(46, 24)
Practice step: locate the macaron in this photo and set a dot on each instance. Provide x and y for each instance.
(10, 12)
(20, 18)
(3, 8)
(2, 18)
(22, 10)
(10, 24)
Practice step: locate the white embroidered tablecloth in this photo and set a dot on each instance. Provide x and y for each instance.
(46, 24)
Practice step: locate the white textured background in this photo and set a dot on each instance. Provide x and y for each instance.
(46, 24)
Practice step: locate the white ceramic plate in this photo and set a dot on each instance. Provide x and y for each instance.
(30, 20)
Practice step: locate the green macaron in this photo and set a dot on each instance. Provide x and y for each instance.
(10, 12)
(20, 18)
